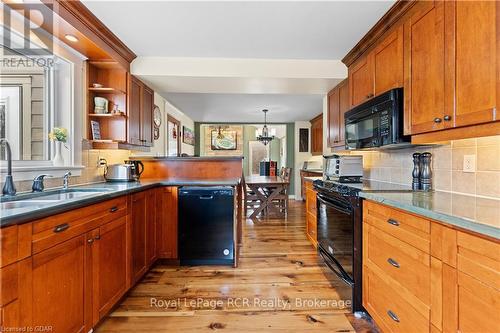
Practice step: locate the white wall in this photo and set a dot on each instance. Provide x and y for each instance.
(185, 121)
(158, 148)
(300, 157)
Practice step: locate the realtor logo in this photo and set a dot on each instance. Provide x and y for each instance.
(38, 20)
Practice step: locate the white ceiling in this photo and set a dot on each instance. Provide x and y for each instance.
(243, 29)
(247, 108)
(225, 61)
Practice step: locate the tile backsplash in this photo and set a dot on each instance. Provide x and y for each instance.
(90, 174)
(396, 166)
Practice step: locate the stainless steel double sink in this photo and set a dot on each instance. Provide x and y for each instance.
(49, 197)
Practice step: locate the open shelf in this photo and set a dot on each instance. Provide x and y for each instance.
(106, 90)
(107, 115)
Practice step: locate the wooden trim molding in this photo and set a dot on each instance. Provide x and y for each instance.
(488, 129)
(382, 26)
(79, 12)
(318, 117)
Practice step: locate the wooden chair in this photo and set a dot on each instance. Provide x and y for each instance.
(282, 198)
(251, 200)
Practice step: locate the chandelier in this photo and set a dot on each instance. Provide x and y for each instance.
(265, 137)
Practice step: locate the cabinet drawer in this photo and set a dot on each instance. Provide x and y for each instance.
(389, 309)
(55, 229)
(405, 264)
(479, 258)
(406, 227)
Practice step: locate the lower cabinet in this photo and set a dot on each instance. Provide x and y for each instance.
(311, 223)
(109, 266)
(422, 276)
(166, 219)
(66, 272)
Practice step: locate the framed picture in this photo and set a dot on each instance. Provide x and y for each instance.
(96, 130)
(224, 140)
(303, 140)
(188, 136)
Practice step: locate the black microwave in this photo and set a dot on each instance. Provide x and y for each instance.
(377, 122)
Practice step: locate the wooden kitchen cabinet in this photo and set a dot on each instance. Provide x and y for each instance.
(109, 266)
(138, 218)
(360, 78)
(151, 228)
(424, 35)
(317, 135)
(472, 38)
(387, 59)
(338, 105)
(140, 122)
(311, 223)
(54, 287)
(422, 276)
(166, 207)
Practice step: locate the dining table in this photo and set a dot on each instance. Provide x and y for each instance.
(267, 189)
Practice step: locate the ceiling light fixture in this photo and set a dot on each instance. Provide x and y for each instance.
(71, 38)
(265, 138)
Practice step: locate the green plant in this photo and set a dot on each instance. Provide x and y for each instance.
(58, 134)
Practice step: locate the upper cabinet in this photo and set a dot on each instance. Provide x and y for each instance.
(445, 54)
(425, 71)
(317, 135)
(378, 71)
(338, 104)
(473, 33)
(141, 113)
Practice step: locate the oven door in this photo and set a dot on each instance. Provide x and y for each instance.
(335, 223)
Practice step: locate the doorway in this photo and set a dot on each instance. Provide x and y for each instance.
(173, 137)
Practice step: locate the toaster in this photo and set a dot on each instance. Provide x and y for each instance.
(343, 168)
(120, 173)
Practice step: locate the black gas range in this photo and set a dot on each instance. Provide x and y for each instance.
(339, 231)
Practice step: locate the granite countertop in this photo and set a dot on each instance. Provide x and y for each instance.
(177, 158)
(109, 190)
(476, 214)
(311, 178)
(312, 170)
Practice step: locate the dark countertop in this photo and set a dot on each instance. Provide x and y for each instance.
(109, 190)
(312, 170)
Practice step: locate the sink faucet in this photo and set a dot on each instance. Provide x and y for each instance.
(38, 183)
(66, 180)
(8, 186)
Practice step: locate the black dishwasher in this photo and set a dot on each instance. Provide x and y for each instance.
(206, 222)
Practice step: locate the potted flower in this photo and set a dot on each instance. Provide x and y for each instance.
(59, 135)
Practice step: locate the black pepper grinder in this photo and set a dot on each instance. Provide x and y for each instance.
(426, 173)
(415, 184)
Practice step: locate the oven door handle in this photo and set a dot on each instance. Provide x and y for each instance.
(340, 271)
(327, 202)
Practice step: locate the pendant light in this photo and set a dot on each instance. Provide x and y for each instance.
(265, 138)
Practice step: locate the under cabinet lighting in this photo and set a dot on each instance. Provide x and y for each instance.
(71, 38)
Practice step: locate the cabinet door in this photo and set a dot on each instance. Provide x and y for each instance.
(317, 135)
(147, 117)
(476, 60)
(151, 252)
(361, 81)
(134, 111)
(333, 117)
(166, 208)
(425, 68)
(109, 266)
(388, 62)
(343, 108)
(54, 290)
(138, 235)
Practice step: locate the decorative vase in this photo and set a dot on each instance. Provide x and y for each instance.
(58, 158)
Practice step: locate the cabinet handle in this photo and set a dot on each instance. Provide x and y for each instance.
(90, 241)
(447, 118)
(61, 227)
(437, 120)
(97, 237)
(393, 316)
(393, 222)
(393, 262)
(113, 209)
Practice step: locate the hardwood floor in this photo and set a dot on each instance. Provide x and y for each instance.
(273, 290)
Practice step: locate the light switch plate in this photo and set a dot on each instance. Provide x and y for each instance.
(469, 163)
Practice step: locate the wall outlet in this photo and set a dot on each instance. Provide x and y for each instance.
(469, 163)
